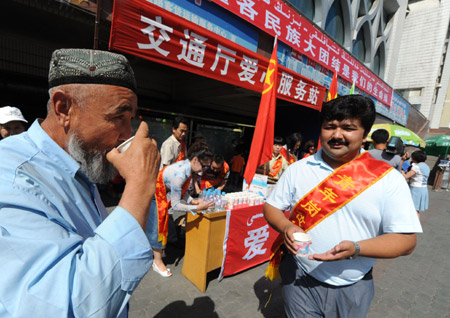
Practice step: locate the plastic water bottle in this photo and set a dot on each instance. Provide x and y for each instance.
(216, 198)
(202, 195)
(208, 195)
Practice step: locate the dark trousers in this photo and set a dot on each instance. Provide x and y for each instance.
(304, 296)
(172, 236)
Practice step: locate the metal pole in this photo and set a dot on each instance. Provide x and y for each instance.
(98, 14)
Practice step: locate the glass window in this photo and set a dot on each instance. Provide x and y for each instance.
(369, 4)
(378, 61)
(359, 47)
(306, 7)
(334, 24)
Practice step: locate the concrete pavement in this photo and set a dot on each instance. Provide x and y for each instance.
(417, 285)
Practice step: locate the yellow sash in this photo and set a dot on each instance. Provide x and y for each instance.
(163, 205)
(335, 191)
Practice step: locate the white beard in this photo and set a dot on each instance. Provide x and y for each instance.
(93, 164)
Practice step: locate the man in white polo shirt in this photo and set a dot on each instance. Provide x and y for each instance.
(173, 148)
(354, 208)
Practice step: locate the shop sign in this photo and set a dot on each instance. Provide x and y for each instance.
(277, 19)
(398, 112)
(212, 17)
(150, 32)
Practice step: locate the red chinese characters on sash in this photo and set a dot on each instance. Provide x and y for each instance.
(182, 153)
(289, 158)
(208, 183)
(163, 205)
(276, 167)
(335, 191)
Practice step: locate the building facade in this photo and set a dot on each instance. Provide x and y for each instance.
(422, 68)
(316, 39)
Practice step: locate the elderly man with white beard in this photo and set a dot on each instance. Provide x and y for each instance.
(61, 254)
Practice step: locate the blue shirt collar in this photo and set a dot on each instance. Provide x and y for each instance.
(50, 148)
(316, 160)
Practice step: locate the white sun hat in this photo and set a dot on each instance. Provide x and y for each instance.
(9, 113)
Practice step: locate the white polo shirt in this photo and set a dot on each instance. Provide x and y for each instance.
(170, 149)
(385, 207)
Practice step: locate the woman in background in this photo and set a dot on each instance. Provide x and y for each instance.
(290, 149)
(418, 180)
(171, 187)
(310, 148)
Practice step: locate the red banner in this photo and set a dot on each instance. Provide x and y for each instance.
(277, 19)
(248, 239)
(150, 32)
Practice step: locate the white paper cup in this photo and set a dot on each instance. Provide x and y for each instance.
(303, 242)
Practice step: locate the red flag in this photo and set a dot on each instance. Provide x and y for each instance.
(333, 91)
(262, 143)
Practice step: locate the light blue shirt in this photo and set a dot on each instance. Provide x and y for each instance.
(174, 177)
(58, 258)
(385, 207)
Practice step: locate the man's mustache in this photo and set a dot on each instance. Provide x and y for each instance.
(337, 142)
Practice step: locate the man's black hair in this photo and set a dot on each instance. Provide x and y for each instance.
(350, 107)
(179, 120)
(277, 140)
(419, 156)
(218, 159)
(380, 136)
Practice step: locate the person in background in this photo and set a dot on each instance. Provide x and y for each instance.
(237, 166)
(406, 165)
(310, 149)
(290, 150)
(216, 175)
(277, 165)
(171, 187)
(418, 180)
(355, 209)
(173, 148)
(62, 254)
(11, 121)
(380, 138)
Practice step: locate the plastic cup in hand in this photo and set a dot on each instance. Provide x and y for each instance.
(124, 145)
(303, 242)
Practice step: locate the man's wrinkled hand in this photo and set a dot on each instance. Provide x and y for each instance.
(140, 162)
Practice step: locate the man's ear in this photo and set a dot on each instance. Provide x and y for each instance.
(365, 136)
(62, 107)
